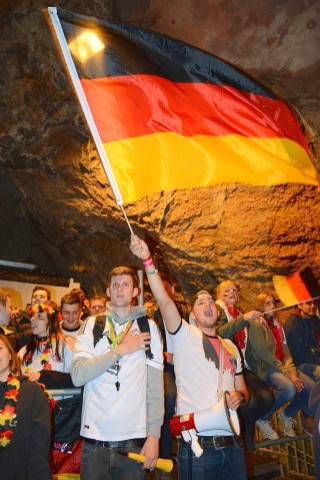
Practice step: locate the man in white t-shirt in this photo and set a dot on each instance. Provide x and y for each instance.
(196, 360)
(118, 358)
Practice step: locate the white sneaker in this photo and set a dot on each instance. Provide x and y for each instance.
(267, 430)
(287, 423)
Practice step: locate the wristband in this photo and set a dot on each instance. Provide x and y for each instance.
(147, 259)
(152, 272)
(149, 264)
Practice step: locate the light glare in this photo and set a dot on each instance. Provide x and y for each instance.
(86, 45)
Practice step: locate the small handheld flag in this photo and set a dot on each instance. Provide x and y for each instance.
(297, 288)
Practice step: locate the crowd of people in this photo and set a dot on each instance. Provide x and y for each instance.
(139, 366)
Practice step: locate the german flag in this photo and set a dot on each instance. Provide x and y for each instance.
(172, 116)
(297, 288)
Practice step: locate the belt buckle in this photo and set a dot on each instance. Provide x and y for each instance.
(217, 443)
(222, 442)
(111, 444)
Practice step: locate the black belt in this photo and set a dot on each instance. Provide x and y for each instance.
(134, 442)
(219, 442)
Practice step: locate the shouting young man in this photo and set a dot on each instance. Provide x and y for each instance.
(198, 354)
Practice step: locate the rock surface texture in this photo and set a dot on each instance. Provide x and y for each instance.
(57, 208)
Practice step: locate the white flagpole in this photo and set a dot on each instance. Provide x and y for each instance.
(83, 101)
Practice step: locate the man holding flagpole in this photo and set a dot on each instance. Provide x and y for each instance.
(203, 362)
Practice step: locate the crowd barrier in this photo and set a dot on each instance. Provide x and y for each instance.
(295, 455)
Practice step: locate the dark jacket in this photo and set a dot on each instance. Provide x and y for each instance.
(20, 328)
(302, 338)
(26, 457)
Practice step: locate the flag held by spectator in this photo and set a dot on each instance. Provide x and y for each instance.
(171, 116)
(297, 288)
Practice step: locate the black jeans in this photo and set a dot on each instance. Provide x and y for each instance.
(103, 462)
(261, 401)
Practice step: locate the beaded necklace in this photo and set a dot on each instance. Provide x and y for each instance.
(8, 412)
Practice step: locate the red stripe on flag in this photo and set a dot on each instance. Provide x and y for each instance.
(136, 105)
(298, 287)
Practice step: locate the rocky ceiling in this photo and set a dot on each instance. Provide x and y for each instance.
(57, 209)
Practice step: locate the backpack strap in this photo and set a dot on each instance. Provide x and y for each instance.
(98, 329)
(144, 326)
(100, 323)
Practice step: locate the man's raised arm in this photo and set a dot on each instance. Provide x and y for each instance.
(167, 306)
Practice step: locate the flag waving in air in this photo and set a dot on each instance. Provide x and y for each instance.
(297, 288)
(166, 115)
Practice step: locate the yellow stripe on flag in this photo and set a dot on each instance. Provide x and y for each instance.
(284, 291)
(172, 161)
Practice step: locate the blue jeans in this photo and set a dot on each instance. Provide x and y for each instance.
(301, 400)
(285, 391)
(101, 463)
(226, 463)
(310, 369)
